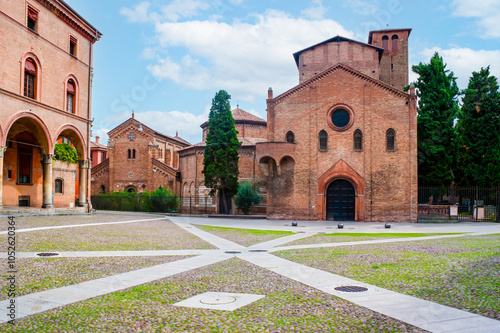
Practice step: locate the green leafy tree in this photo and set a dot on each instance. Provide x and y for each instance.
(246, 198)
(220, 164)
(437, 109)
(64, 152)
(479, 132)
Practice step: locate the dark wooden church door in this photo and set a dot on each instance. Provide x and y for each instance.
(340, 201)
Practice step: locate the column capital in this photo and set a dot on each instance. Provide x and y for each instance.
(47, 158)
(2, 151)
(84, 164)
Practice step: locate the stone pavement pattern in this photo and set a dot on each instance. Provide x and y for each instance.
(420, 313)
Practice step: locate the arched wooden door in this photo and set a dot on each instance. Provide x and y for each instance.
(340, 201)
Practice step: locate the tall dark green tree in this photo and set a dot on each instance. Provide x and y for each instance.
(220, 164)
(479, 132)
(437, 109)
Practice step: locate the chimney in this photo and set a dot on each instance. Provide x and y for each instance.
(97, 139)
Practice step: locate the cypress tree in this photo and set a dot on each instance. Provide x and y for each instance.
(220, 163)
(479, 132)
(438, 107)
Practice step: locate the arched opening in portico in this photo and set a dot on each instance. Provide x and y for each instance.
(26, 163)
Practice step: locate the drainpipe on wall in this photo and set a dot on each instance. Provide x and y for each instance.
(89, 95)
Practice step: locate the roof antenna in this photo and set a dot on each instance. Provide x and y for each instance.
(132, 114)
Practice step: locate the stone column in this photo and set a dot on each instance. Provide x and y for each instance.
(47, 180)
(84, 166)
(2, 151)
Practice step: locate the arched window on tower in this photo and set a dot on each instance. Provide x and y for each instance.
(290, 137)
(30, 73)
(390, 136)
(129, 154)
(323, 140)
(358, 140)
(395, 45)
(70, 96)
(133, 154)
(385, 42)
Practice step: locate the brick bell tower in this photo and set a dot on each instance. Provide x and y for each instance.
(394, 62)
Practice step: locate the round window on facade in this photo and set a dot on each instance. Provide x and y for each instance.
(340, 117)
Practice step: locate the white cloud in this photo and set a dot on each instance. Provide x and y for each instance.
(183, 9)
(464, 61)
(139, 13)
(487, 12)
(243, 58)
(316, 11)
(361, 7)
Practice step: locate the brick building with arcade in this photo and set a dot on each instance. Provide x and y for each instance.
(45, 93)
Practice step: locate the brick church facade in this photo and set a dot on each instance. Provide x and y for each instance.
(342, 144)
(138, 158)
(45, 93)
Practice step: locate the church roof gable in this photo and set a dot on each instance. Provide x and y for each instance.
(331, 70)
(145, 129)
(336, 39)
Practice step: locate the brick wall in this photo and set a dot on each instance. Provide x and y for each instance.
(388, 176)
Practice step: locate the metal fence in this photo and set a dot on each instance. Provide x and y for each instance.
(198, 205)
(464, 204)
(194, 205)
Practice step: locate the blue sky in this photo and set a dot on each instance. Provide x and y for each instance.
(165, 59)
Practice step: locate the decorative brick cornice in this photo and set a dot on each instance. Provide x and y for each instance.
(330, 71)
(164, 167)
(61, 10)
(99, 167)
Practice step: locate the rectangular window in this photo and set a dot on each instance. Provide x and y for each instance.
(32, 19)
(58, 186)
(24, 165)
(72, 46)
(69, 104)
(29, 85)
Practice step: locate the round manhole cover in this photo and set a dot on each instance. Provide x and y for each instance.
(257, 251)
(351, 289)
(47, 254)
(217, 300)
(232, 252)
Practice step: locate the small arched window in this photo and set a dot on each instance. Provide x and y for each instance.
(58, 188)
(30, 73)
(358, 140)
(103, 189)
(70, 96)
(385, 43)
(129, 154)
(395, 45)
(290, 137)
(133, 154)
(390, 137)
(323, 140)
